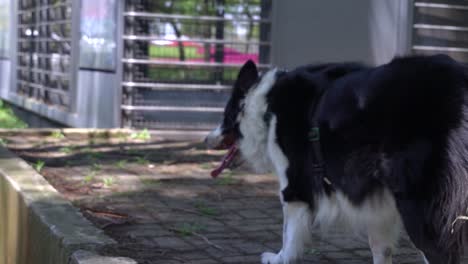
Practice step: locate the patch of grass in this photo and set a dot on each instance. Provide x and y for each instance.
(108, 181)
(206, 166)
(187, 229)
(39, 165)
(8, 119)
(311, 251)
(86, 150)
(151, 182)
(95, 155)
(226, 179)
(96, 167)
(121, 164)
(205, 210)
(141, 135)
(66, 150)
(142, 160)
(89, 177)
(3, 142)
(57, 135)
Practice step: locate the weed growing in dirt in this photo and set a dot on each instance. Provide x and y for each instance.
(226, 179)
(66, 150)
(39, 165)
(311, 251)
(95, 155)
(151, 182)
(206, 166)
(121, 164)
(108, 182)
(8, 119)
(141, 135)
(90, 177)
(142, 160)
(96, 167)
(205, 210)
(187, 229)
(57, 135)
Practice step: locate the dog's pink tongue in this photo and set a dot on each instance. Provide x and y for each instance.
(227, 159)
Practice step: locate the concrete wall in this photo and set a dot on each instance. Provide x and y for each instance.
(370, 31)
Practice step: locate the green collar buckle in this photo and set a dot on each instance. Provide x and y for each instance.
(314, 134)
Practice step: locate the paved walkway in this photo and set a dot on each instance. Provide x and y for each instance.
(194, 219)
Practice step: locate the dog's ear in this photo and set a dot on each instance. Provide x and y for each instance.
(248, 75)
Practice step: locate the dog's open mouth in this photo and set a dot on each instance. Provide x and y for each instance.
(227, 161)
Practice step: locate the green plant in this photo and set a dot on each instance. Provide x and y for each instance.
(3, 142)
(95, 155)
(141, 135)
(66, 150)
(86, 150)
(8, 119)
(108, 181)
(39, 165)
(150, 182)
(226, 179)
(57, 135)
(96, 167)
(89, 177)
(142, 160)
(206, 166)
(205, 210)
(121, 164)
(311, 251)
(187, 229)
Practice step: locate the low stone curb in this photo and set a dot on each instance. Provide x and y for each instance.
(84, 133)
(86, 257)
(38, 226)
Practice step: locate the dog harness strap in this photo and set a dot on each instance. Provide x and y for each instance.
(314, 137)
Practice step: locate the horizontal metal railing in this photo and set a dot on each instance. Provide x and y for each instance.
(440, 27)
(198, 40)
(189, 17)
(176, 86)
(172, 108)
(187, 63)
(438, 5)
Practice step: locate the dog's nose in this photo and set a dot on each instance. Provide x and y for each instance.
(213, 139)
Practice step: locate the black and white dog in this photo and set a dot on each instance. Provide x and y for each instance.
(378, 149)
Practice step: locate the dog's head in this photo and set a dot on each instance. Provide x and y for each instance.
(228, 133)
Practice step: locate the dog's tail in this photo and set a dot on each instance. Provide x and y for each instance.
(453, 220)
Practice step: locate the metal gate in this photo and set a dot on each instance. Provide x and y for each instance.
(44, 51)
(181, 58)
(441, 26)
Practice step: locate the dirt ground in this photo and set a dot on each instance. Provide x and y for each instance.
(156, 199)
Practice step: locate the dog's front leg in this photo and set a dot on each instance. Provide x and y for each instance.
(296, 232)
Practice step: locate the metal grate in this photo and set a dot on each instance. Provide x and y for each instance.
(441, 26)
(181, 58)
(44, 51)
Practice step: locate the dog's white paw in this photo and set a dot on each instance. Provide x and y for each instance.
(271, 258)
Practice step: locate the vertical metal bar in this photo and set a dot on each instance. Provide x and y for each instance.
(14, 6)
(74, 55)
(405, 27)
(219, 34)
(264, 55)
(120, 5)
